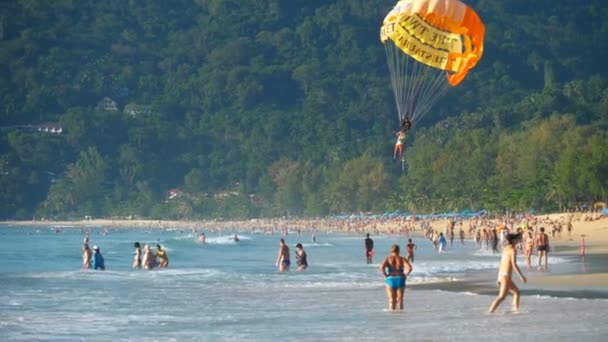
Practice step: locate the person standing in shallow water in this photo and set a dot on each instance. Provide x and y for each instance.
(98, 261)
(494, 242)
(395, 269)
(528, 247)
(542, 246)
(283, 261)
(301, 259)
(149, 261)
(86, 256)
(137, 255)
(163, 259)
(369, 249)
(410, 250)
(508, 263)
(442, 243)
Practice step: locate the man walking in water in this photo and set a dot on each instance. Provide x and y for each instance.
(442, 243)
(508, 263)
(410, 250)
(542, 246)
(283, 258)
(369, 249)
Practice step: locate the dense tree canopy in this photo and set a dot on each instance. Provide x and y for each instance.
(230, 108)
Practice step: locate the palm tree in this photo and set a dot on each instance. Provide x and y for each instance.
(556, 194)
(184, 208)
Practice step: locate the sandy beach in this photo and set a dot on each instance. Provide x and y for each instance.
(595, 229)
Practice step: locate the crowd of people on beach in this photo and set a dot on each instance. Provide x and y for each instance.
(507, 235)
(488, 234)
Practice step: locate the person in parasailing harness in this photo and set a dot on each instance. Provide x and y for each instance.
(401, 134)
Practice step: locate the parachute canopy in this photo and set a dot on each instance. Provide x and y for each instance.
(424, 40)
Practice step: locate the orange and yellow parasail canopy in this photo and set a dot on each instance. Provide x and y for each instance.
(443, 34)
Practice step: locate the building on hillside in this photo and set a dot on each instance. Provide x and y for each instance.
(175, 193)
(107, 105)
(49, 127)
(225, 194)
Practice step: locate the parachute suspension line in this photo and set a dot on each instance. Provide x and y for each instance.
(411, 85)
(393, 66)
(416, 86)
(416, 83)
(433, 86)
(402, 69)
(398, 65)
(436, 90)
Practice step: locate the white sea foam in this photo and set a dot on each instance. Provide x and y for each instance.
(227, 240)
(412, 279)
(126, 274)
(316, 244)
(466, 293)
(553, 297)
(486, 253)
(433, 267)
(184, 237)
(333, 285)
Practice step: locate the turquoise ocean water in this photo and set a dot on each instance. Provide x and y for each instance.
(227, 291)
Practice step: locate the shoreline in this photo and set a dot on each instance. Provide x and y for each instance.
(595, 231)
(581, 278)
(562, 290)
(590, 279)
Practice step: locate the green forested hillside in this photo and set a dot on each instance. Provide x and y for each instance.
(230, 108)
